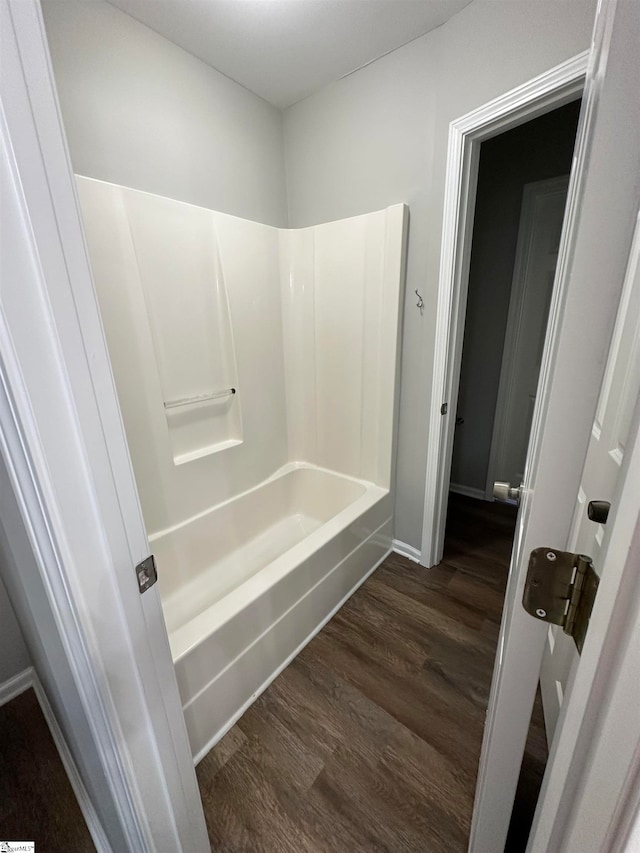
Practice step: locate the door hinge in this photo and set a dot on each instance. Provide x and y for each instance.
(561, 588)
(146, 573)
(444, 408)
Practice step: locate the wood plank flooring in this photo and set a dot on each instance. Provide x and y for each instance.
(370, 739)
(37, 802)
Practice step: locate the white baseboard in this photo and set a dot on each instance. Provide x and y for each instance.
(14, 687)
(405, 550)
(468, 491)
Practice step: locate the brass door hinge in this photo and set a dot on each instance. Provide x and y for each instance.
(561, 588)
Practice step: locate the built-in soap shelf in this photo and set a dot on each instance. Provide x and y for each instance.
(222, 399)
(206, 450)
(187, 307)
(202, 424)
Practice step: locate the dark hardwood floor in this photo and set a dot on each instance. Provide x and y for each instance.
(370, 739)
(37, 802)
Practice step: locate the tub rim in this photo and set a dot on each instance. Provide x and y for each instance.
(184, 639)
(288, 468)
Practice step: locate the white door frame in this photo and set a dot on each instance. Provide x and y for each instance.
(548, 91)
(64, 446)
(531, 194)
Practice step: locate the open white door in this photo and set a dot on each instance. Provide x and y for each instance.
(64, 450)
(612, 475)
(603, 472)
(602, 208)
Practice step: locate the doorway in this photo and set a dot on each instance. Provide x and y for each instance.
(520, 200)
(540, 96)
(523, 176)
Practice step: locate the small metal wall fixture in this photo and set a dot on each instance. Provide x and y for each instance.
(200, 398)
(420, 302)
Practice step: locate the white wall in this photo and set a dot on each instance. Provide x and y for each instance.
(14, 656)
(141, 112)
(379, 137)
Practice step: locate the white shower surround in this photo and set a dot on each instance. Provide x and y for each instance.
(267, 508)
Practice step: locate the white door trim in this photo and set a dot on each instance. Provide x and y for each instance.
(64, 446)
(532, 193)
(550, 90)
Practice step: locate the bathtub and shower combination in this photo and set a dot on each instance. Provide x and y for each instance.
(256, 369)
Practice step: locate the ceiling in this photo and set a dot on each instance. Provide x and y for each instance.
(284, 50)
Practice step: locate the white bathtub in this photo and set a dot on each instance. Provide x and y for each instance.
(247, 584)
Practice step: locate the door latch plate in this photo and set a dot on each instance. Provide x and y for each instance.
(146, 573)
(560, 588)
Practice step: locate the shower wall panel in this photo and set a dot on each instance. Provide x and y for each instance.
(303, 325)
(298, 325)
(340, 298)
(190, 301)
(187, 308)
